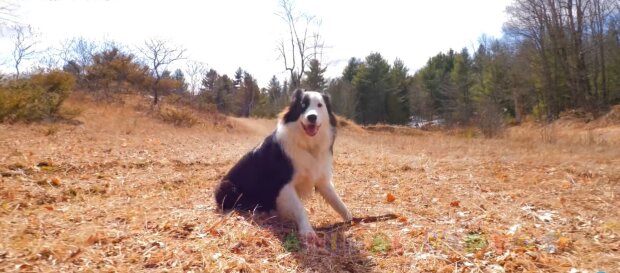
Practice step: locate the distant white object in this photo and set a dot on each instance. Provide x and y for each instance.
(419, 122)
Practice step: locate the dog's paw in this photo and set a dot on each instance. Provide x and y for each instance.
(310, 238)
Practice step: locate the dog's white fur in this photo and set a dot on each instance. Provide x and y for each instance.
(312, 164)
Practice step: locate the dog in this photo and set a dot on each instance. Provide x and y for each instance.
(288, 166)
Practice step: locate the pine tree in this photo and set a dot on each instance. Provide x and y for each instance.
(238, 77)
(222, 94)
(351, 69)
(343, 97)
(180, 78)
(314, 79)
(462, 79)
(250, 94)
(397, 100)
(208, 82)
(372, 83)
(276, 95)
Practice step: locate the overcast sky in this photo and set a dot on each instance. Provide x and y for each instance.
(244, 33)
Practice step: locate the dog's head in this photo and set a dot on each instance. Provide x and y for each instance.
(312, 110)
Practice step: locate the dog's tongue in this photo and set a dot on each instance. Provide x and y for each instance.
(311, 129)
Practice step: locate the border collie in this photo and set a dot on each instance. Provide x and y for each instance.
(288, 165)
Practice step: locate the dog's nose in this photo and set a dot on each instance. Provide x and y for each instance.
(311, 118)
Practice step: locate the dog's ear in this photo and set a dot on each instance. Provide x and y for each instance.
(295, 108)
(297, 96)
(328, 105)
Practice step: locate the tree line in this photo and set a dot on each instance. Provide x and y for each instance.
(554, 55)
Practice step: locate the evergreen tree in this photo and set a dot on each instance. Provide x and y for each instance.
(180, 78)
(351, 69)
(397, 100)
(343, 97)
(372, 83)
(250, 94)
(287, 90)
(461, 77)
(208, 82)
(314, 79)
(274, 90)
(222, 94)
(238, 77)
(277, 98)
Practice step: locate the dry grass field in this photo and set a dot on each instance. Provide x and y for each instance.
(125, 192)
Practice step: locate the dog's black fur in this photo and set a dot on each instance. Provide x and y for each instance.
(255, 181)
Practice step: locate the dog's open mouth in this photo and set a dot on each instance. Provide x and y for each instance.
(311, 129)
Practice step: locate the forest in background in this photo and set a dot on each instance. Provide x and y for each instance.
(555, 55)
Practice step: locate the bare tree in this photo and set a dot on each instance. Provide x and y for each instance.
(569, 39)
(49, 59)
(303, 41)
(159, 54)
(75, 55)
(24, 42)
(195, 72)
(318, 46)
(7, 9)
(79, 50)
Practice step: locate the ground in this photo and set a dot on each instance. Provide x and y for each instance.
(125, 192)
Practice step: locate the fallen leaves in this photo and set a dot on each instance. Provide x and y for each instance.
(499, 243)
(97, 238)
(564, 243)
(237, 248)
(55, 182)
(455, 204)
(390, 198)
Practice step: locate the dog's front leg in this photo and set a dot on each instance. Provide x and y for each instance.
(329, 193)
(289, 206)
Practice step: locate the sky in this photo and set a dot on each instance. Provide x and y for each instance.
(226, 35)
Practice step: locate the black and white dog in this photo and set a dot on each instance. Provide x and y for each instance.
(288, 165)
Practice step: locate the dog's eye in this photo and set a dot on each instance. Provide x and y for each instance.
(320, 105)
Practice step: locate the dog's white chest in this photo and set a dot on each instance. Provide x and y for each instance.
(310, 172)
(312, 168)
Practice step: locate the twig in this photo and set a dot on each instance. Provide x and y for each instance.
(357, 220)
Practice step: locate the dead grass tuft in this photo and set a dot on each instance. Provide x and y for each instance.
(348, 124)
(177, 117)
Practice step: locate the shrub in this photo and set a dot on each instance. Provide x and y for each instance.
(490, 119)
(178, 117)
(36, 98)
